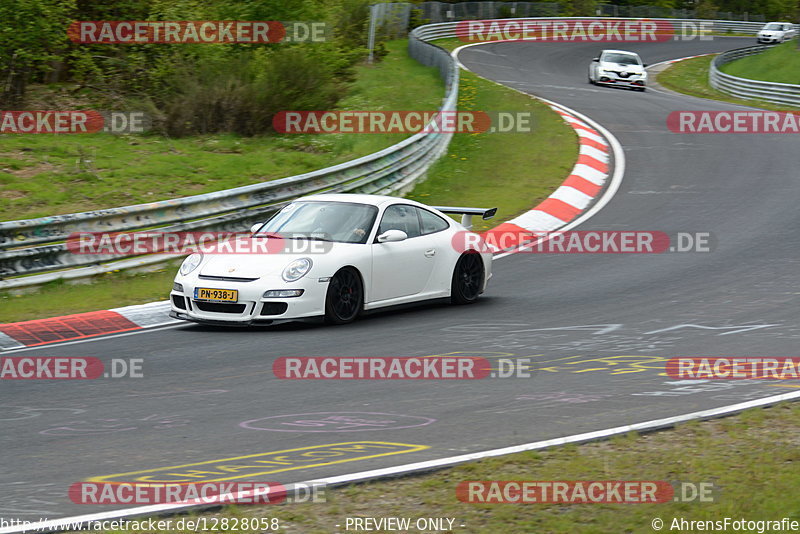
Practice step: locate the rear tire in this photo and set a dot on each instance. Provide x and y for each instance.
(344, 299)
(467, 279)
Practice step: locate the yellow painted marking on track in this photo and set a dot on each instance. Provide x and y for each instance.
(463, 354)
(254, 465)
(782, 386)
(614, 365)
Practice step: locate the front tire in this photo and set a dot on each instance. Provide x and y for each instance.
(344, 299)
(467, 279)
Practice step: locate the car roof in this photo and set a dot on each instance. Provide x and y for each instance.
(372, 200)
(620, 52)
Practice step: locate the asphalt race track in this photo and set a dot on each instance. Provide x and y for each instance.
(599, 327)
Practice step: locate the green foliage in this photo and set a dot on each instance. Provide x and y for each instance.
(579, 8)
(709, 9)
(189, 88)
(416, 19)
(242, 91)
(32, 40)
(706, 9)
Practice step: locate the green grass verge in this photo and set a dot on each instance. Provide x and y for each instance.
(752, 459)
(49, 174)
(449, 44)
(511, 171)
(780, 64)
(691, 77)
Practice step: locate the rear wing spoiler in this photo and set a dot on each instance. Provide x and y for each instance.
(467, 213)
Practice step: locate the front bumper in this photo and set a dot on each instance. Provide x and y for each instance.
(250, 307)
(622, 82)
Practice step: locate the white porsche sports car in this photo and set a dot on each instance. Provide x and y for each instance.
(618, 67)
(344, 254)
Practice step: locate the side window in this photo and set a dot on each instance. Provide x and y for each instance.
(430, 222)
(400, 217)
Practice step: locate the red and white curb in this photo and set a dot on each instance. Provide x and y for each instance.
(84, 325)
(573, 197)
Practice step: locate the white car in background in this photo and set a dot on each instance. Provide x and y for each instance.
(620, 68)
(776, 32)
(376, 251)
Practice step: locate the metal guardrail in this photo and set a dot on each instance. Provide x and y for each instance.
(448, 29)
(32, 246)
(435, 12)
(778, 93)
(33, 251)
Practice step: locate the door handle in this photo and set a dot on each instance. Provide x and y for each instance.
(430, 253)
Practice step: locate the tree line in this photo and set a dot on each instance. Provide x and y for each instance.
(192, 89)
(185, 88)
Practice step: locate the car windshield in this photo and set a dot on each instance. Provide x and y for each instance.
(773, 26)
(622, 59)
(344, 222)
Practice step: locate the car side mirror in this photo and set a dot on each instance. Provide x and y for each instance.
(596, 59)
(255, 227)
(392, 236)
(644, 65)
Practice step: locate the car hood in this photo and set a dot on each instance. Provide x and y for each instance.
(255, 265)
(770, 33)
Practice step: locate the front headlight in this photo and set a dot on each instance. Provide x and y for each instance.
(191, 263)
(297, 269)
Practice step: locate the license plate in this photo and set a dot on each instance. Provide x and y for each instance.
(216, 295)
